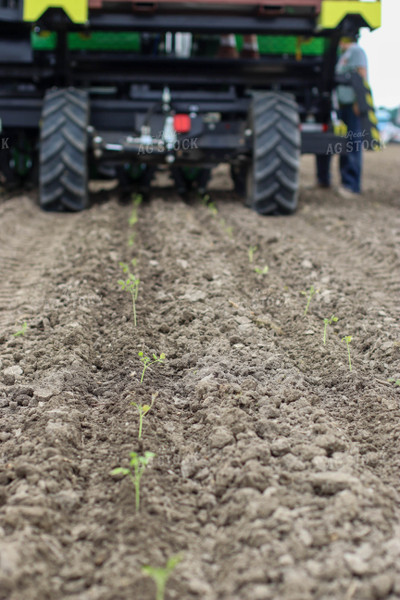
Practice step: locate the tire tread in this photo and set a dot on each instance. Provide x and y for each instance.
(273, 185)
(63, 150)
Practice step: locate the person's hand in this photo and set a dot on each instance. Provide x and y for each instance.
(340, 128)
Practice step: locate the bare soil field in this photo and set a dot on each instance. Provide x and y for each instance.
(277, 469)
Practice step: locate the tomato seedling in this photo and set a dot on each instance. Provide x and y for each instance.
(327, 322)
(137, 466)
(227, 228)
(143, 409)
(311, 293)
(133, 217)
(251, 251)
(131, 285)
(21, 331)
(160, 575)
(147, 362)
(347, 339)
(261, 271)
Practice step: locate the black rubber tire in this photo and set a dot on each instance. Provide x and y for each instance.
(272, 179)
(63, 177)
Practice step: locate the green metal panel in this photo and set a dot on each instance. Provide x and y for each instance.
(130, 42)
(46, 40)
(98, 40)
(287, 44)
(105, 40)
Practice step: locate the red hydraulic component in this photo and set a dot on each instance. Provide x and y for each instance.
(182, 123)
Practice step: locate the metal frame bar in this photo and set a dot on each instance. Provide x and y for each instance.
(108, 114)
(176, 4)
(218, 24)
(120, 68)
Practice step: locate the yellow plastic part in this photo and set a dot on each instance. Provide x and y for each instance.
(369, 100)
(340, 128)
(334, 11)
(77, 10)
(376, 137)
(375, 133)
(372, 117)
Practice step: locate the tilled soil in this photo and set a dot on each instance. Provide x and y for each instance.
(277, 468)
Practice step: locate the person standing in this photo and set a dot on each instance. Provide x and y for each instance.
(352, 58)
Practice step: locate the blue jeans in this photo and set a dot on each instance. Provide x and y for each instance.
(350, 162)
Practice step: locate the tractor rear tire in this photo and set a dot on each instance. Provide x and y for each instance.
(272, 177)
(63, 177)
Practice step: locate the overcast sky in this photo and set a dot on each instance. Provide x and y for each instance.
(383, 50)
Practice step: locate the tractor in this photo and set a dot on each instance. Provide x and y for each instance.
(122, 88)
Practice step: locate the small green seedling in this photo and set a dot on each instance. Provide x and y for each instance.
(251, 251)
(131, 240)
(137, 466)
(327, 322)
(137, 199)
(160, 575)
(227, 228)
(21, 331)
(147, 362)
(391, 380)
(347, 339)
(133, 218)
(311, 293)
(261, 271)
(212, 208)
(143, 409)
(131, 285)
(206, 200)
